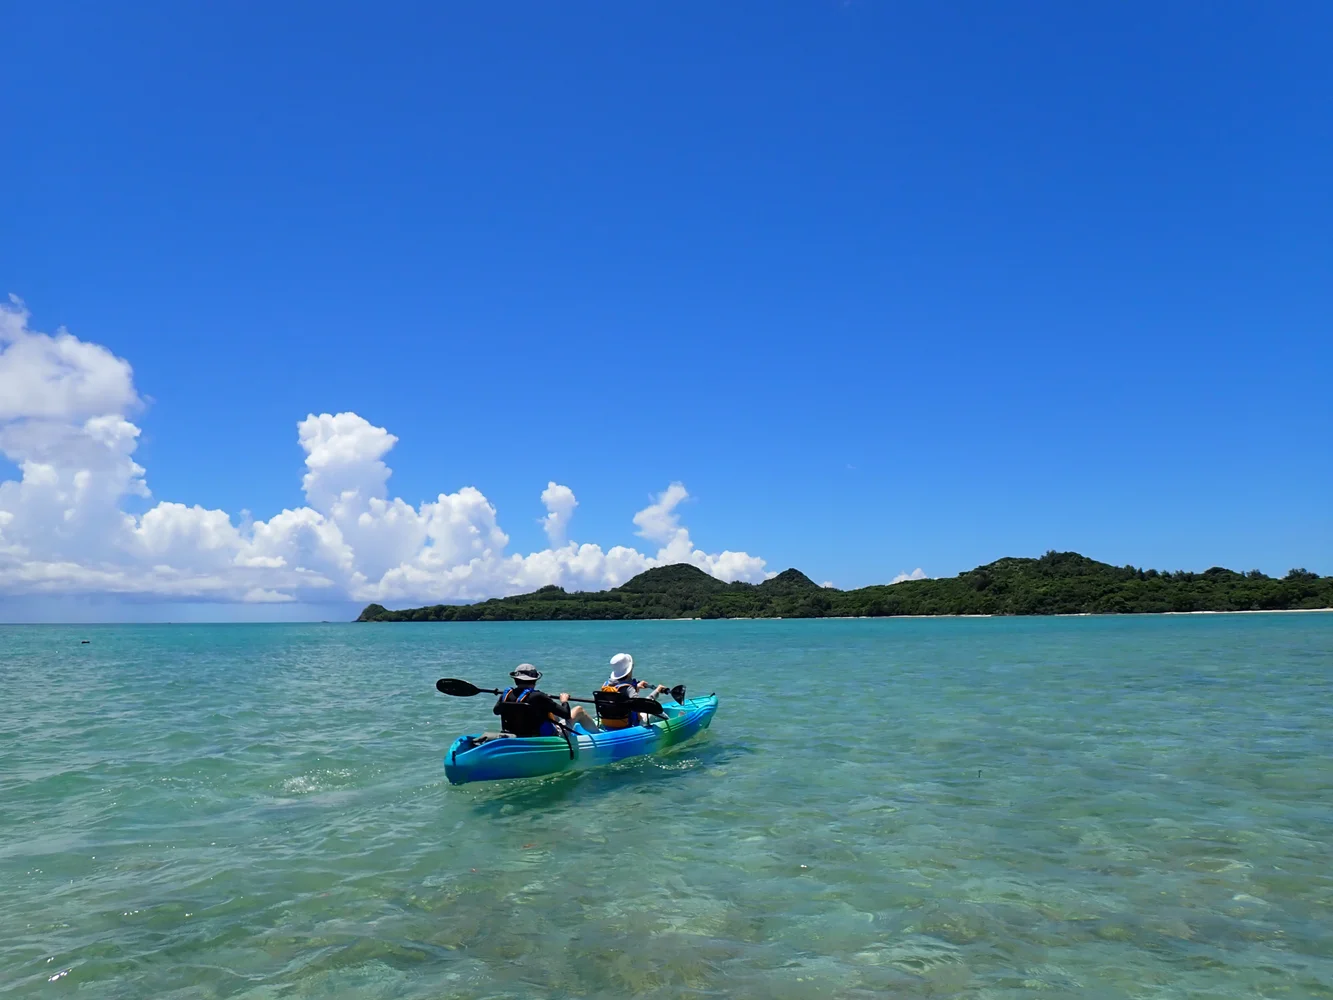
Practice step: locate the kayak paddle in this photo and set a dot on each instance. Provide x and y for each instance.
(462, 689)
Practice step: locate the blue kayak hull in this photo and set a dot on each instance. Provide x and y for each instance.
(501, 759)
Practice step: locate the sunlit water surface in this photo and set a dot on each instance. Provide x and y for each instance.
(1092, 807)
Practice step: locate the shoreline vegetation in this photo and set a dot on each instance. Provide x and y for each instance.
(1059, 583)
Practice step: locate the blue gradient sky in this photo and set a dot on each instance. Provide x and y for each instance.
(885, 285)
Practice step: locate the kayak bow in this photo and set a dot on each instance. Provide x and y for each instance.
(476, 758)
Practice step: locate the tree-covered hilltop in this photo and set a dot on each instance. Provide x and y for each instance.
(1057, 583)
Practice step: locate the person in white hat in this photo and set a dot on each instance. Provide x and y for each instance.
(622, 682)
(583, 717)
(622, 675)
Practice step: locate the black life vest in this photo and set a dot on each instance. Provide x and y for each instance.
(528, 720)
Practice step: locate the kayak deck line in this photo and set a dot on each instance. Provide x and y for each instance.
(477, 758)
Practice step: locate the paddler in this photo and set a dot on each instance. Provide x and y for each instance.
(552, 715)
(622, 682)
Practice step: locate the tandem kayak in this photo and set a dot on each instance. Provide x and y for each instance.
(476, 758)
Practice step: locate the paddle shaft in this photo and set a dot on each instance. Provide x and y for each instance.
(465, 689)
(497, 691)
(586, 701)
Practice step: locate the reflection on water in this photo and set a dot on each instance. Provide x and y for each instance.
(984, 808)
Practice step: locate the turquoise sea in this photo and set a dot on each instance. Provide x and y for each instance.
(998, 808)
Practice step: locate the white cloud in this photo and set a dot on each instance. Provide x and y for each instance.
(560, 503)
(344, 456)
(916, 574)
(57, 377)
(64, 407)
(659, 522)
(258, 595)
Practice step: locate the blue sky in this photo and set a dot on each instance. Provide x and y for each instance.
(884, 285)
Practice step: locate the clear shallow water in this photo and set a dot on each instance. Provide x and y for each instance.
(1100, 807)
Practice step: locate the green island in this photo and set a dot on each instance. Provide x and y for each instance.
(1059, 583)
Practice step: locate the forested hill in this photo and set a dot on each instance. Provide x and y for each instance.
(1057, 583)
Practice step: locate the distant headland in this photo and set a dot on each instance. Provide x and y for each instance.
(1057, 583)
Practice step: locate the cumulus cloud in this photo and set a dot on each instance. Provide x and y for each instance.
(57, 377)
(560, 503)
(64, 422)
(659, 522)
(916, 574)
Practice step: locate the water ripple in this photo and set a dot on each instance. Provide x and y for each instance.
(1129, 807)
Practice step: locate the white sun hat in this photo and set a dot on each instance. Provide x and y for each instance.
(622, 666)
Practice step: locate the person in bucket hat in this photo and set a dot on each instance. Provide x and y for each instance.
(554, 714)
(526, 673)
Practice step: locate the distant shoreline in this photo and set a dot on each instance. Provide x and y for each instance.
(869, 618)
(859, 618)
(1056, 584)
(622, 621)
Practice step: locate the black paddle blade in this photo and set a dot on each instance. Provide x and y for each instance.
(678, 692)
(457, 688)
(645, 705)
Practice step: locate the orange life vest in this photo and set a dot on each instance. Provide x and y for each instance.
(628, 691)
